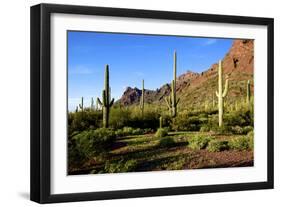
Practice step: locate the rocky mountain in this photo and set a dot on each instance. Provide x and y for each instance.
(194, 88)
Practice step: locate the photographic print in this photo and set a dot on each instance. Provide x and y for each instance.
(140, 102)
(130, 103)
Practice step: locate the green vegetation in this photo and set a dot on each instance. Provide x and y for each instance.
(217, 145)
(199, 142)
(241, 143)
(142, 99)
(146, 136)
(161, 132)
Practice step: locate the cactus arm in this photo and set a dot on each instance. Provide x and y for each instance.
(225, 88)
(217, 94)
(177, 101)
(99, 102)
(167, 103)
(111, 103)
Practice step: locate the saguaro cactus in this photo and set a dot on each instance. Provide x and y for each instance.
(76, 110)
(81, 105)
(160, 122)
(221, 94)
(248, 99)
(142, 99)
(172, 100)
(106, 99)
(92, 104)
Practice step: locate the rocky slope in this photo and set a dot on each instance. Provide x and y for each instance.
(194, 88)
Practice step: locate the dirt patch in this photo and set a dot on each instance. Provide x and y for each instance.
(223, 159)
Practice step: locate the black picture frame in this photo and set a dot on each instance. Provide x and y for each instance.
(41, 96)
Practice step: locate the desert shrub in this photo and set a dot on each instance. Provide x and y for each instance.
(217, 145)
(166, 142)
(89, 143)
(186, 122)
(161, 132)
(80, 121)
(199, 142)
(128, 131)
(205, 128)
(241, 118)
(241, 143)
(120, 166)
(119, 117)
(137, 131)
(119, 133)
(237, 129)
(148, 130)
(247, 129)
(221, 130)
(250, 135)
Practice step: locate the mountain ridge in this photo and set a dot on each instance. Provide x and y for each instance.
(194, 88)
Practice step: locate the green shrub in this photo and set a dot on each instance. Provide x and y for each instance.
(217, 145)
(79, 121)
(147, 130)
(221, 130)
(89, 143)
(128, 131)
(186, 121)
(120, 166)
(237, 130)
(241, 143)
(205, 128)
(247, 129)
(137, 131)
(199, 142)
(167, 142)
(250, 135)
(119, 117)
(119, 133)
(161, 132)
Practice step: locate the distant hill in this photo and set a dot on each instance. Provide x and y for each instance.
(199, 88)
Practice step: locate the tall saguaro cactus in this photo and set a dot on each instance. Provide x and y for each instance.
(172, 100)
(92, 104)
(142, 99)
(106, 102)
(81, 105)
(221, 94)
(248, 93)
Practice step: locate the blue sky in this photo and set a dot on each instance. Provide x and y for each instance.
(132, 58)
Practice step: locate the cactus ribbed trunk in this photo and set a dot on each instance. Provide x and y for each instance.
(92, 104)
(81, 106)
(106, 99)
(220, 93)
(142, 99)
(172, 101)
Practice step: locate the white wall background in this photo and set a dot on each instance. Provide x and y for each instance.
(14, 101)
